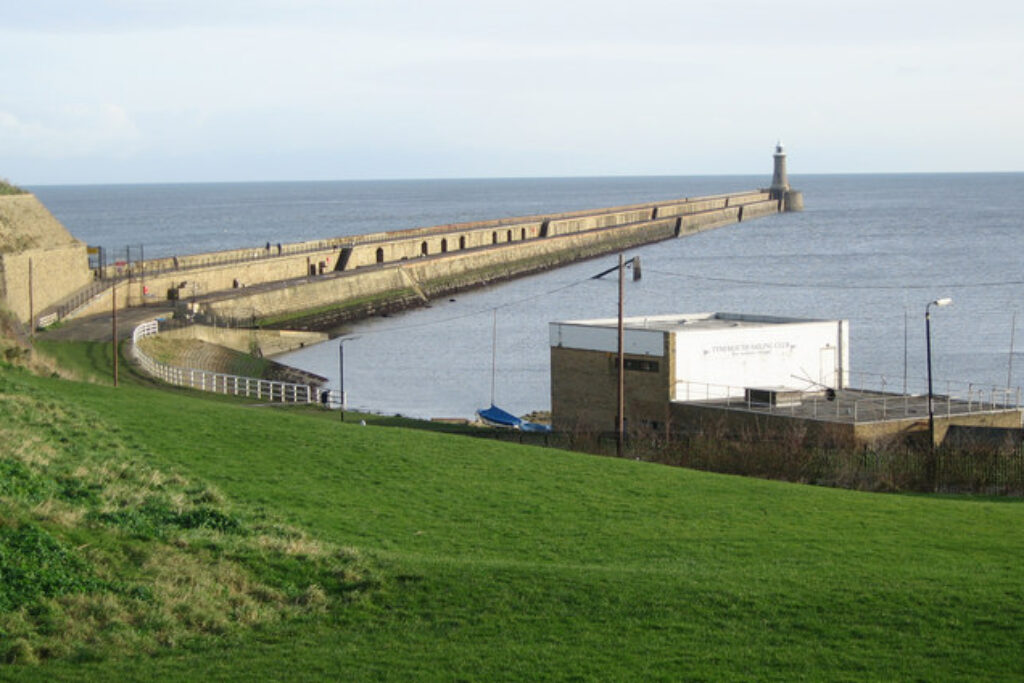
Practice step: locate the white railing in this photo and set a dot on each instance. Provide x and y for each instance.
(218, 382)
(957, 389)
(144, 330)
(857, 404)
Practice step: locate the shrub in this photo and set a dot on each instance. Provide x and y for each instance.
(6, 188)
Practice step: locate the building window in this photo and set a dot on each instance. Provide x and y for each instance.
(635, 364)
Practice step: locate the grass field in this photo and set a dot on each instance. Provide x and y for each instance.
(499, 561)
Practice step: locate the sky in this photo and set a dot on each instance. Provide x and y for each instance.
(141, 91)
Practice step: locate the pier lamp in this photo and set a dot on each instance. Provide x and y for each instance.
(928, 345)
(341, 373)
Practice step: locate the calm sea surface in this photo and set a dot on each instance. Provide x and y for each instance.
(872, 249)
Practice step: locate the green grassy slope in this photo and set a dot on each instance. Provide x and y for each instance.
(502, 561)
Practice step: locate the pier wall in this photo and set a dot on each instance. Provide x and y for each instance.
(326, 301)
(759, 209)
(145, 286)
(329, 280)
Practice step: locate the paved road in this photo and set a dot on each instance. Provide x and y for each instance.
(99, 327)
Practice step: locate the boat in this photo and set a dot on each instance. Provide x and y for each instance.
(496, 417)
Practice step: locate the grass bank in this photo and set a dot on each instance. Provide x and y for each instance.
(502, 561)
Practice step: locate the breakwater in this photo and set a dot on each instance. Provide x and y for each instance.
(385, 271)
(320, 283)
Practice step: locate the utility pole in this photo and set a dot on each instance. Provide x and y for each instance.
(142, 273)
(1009, 367)
(113, 318)
(128, 271)
(31, 305)
(341, 376)
(620, 419)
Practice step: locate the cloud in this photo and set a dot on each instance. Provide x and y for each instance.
(499, 87)
(72, 131)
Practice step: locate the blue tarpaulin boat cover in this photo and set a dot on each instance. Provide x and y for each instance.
(501, 418)
(496, 416)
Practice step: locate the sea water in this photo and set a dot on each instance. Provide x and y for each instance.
(871, 249)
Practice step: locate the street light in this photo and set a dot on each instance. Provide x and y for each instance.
(341, 372)
(928, 344)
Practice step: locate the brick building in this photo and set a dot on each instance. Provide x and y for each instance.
(738, 372)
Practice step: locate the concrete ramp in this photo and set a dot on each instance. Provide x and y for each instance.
(413, 284)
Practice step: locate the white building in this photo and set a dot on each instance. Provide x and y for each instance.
(686, 358)
(740, 374)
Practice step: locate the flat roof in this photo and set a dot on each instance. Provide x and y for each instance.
(686, 321)
(859, 406)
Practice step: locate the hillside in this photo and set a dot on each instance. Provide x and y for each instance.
(494, 560)
(26, 224)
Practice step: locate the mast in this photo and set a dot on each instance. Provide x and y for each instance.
(494, 350)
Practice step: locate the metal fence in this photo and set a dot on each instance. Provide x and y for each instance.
(857, 404)
(73, 303)
(218, 382)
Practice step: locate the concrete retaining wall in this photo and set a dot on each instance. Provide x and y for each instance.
(311, 296)
(269, 342)
(727, 423)
(691, 207)
(433, 276)
(148, 287)
(59, 263)
(368, 253)
(748, 198)
(759, 209)
(567, 226)
(56, 273)
(708, 220)
(101, 303)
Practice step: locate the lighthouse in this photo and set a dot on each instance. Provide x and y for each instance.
(789, 199)
(780, 183)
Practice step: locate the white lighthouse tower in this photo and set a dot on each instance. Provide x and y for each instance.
(791, 200)
(780, 183)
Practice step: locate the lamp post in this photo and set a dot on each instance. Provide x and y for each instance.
(620, 419)
(341, 373)
(341, 376)
(928, 344)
